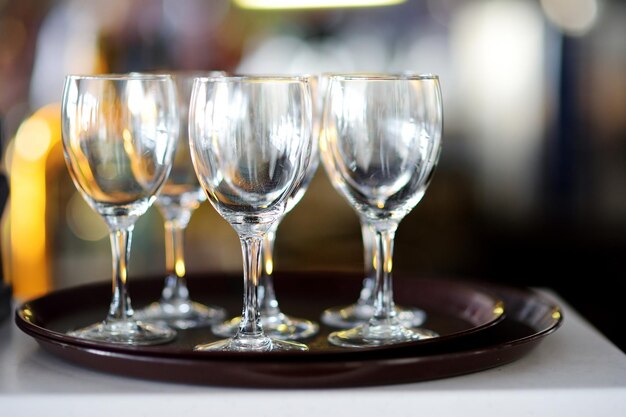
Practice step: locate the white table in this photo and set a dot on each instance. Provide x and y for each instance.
(574, 372)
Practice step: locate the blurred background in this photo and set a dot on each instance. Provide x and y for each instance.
(531, 186)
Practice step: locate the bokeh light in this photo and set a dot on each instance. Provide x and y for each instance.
(573, 17)
(83, 221)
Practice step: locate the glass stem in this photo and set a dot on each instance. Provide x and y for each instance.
(250, 325)
(368, 234)
(175, 289)
(384, 307)
(120, 308)
(267, 295)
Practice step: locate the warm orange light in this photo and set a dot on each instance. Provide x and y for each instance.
(33, 139)
(29, 265)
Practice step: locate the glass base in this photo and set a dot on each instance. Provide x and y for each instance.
(251, 344)
(368, 335)
(280, 327)
(126, 332)
(185, 315)
(352, 315)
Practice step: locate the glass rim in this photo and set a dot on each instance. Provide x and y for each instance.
(273, 75)
(253, 78)
(184, 73)
(381, 76)
(120, 76)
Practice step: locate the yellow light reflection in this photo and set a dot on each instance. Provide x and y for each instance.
(269, 267)
(311, 4)
(389, 265)
(29, 269)
(498, 310)
(556, 314)
(179, 267)
(123, 274)
(128, 137)
(27, 313)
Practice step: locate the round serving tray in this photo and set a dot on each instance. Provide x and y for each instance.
(475, 335)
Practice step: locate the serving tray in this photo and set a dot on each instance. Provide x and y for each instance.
(475, 335)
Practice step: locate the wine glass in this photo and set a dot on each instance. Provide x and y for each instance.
(381, 142)
(361, 311)
(118, 140)
(275, 323)
(178, 199)
(250, 139)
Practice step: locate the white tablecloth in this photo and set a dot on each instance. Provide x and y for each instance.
(574, 372)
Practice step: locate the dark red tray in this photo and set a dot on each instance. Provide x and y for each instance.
(474, 336)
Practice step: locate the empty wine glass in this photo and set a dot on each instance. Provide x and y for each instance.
(275, 323)
(250, 140)
(178, 199)
(381, 142)
(118, 142)
(361, 311)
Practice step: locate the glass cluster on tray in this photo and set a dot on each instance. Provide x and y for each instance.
(250, 145)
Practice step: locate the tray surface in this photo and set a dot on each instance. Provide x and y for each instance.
(475, 336)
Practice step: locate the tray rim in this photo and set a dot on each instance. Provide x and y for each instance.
(37, 331)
